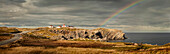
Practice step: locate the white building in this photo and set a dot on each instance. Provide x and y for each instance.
(51, 26)
(64, 25)
(59, 27)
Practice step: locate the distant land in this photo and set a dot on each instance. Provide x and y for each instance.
(90, 27)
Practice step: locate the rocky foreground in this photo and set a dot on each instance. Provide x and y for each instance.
(74, 33)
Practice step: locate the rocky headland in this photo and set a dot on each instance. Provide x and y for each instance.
(62, 41)
(75, 33)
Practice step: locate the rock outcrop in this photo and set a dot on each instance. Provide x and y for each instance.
(73, 33)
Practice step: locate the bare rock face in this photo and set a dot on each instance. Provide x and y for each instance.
(95, 34)
(109, 34)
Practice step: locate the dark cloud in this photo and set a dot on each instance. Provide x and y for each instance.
(148, 14)
(12, 2)
(11, 8)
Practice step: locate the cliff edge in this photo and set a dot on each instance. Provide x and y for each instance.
(75, 33)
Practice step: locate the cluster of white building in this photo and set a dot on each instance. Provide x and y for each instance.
(51, 26)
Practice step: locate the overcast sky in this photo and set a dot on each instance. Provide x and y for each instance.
(150, 15)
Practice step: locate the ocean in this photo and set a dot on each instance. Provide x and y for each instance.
(149, 38)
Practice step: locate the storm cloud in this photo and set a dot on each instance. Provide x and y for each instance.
(150, 15)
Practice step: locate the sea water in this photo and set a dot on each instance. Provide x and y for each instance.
(149, 38)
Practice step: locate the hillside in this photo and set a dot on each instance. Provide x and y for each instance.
(8, 30)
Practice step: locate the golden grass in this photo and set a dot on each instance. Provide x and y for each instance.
(5, 37)
(57, 50)
(8, 30)
(73, 50)
(45, 46)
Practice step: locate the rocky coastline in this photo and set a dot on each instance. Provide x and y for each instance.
(61, 40)
(75, 33)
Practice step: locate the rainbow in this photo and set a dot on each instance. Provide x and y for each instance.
(114, 15)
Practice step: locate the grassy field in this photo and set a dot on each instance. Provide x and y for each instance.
(5, 36)
(8, 49)
(8, 30)
(73, 50)
(30, 45)
(41, 45)
(5, 33)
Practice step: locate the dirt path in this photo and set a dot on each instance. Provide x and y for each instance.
(16, 37)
